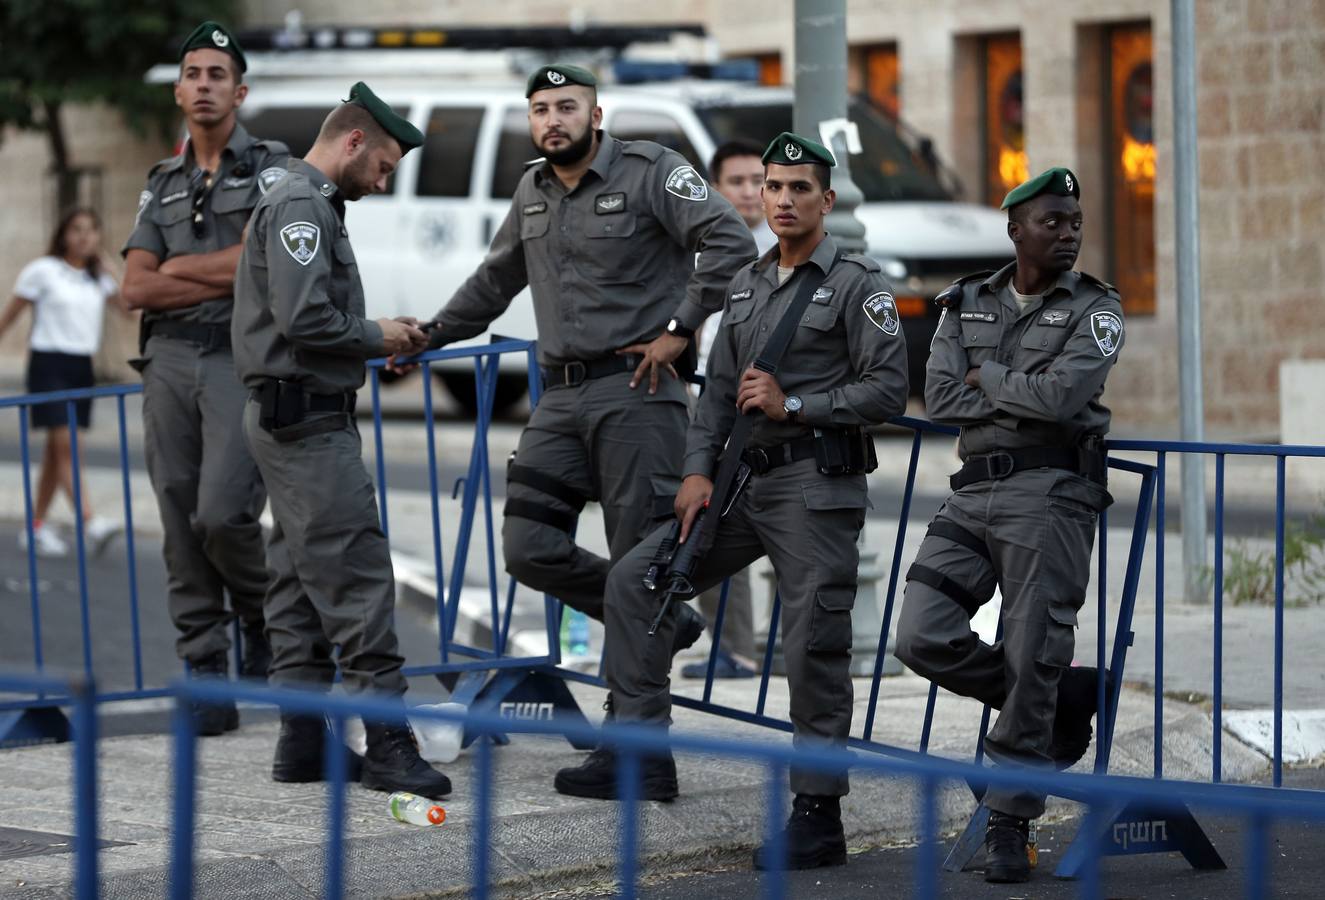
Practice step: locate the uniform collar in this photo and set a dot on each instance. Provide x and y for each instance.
(822, 257)
(609, 148)
(238, 144)
(1065, 282)
(319, 181)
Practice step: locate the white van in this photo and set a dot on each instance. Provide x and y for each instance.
(418, 242)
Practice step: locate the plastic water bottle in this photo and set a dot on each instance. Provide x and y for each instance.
(579, 633)
(415, 810)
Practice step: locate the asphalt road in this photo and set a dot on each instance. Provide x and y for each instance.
(1297, 870)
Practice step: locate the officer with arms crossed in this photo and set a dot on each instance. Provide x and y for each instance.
(1018, 361)
(843, 370)
(604, 233)
(301, 340)
(737, 170)
(180, 268)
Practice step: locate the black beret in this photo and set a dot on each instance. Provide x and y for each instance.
(1057, 180)
(558, 75)
(214, 36)
(790, 149)
(400, 128)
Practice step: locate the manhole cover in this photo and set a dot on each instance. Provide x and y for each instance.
(16, 843)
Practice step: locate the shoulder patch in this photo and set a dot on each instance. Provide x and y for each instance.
(143, 199)
(1107, 329)
(684, 182)
(647, 149)
(269, 176)
(301, 240)
(882, 311)
(868, 263)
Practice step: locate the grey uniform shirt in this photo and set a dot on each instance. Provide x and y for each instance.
(846, 360)
(299, 306)
(610, 262)
(164, 226)
(1042, 371)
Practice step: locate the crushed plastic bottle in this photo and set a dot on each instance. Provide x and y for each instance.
(578, 633)
(415, 810)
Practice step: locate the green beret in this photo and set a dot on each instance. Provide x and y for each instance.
(790, 149)
(213, 36)
(406, 135)
(1057, 180)
(558, 75)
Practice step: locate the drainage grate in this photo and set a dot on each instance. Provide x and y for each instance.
(16, 843)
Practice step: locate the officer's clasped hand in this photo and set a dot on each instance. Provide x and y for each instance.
(401, 335)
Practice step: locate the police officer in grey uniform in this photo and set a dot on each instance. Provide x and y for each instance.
(301, 340)
(844, 370)
(180, 268)
(1019, 362)
(604, 233)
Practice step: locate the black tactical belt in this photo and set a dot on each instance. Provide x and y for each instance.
(211, 337)
(572, 374)
(762, 460)
(340, 402)
(1002, 463)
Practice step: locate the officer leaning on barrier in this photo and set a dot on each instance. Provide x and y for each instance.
(604, 232)
(804, 500)
(1019, 362)
(301, 340)
(180, 267)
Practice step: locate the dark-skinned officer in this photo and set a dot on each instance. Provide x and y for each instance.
(1018, 361)
(604, 233)
(301, 341)
(844, 370)
(180, 269)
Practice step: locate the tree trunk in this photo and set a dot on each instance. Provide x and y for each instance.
(66, 179)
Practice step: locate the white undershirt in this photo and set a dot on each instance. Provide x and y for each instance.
(67, 305)
(1023, 300)
(785, 272)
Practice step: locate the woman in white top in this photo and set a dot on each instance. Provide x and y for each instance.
(67, 291)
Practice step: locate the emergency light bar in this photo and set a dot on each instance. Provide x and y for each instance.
(596, 37)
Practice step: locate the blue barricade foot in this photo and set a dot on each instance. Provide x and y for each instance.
(23, 727)
(525, 694)
(969, 843)
(1131, 829)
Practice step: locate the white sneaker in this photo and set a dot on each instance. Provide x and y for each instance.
(98, 532)
(45, 539)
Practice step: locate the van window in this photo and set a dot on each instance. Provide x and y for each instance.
(637, 125)
(514, 149)
(447, 159)
(297, 127)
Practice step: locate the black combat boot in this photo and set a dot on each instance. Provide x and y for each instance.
(596, 777)
(1006, 861)
(299, 751)
(211, 719)
(393, 764)
(813, 836)
(1077, 702)
(689, 626)
(257, 652)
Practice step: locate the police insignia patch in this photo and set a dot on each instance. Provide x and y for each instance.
(882, 311)
(1107, 329)
(143, 199)
(269, 176)
(301, 241)
(684, 182)
(1056, 318)
(607, 204)
(822, 295)
(220, 38)
(555, 77)
(793, 151)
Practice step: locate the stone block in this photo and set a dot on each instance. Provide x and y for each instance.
(1301, 402)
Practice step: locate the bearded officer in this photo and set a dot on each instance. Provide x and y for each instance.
(1018, 361)
(180, 269)
(301, 340)
(844, 370)
(604, 233)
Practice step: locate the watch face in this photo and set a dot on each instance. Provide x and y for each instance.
(792, 404)
(671, 326)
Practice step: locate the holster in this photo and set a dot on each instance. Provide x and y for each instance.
(1093, 460)
(844, 451)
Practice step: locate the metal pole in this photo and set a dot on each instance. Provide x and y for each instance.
(821, 99)
(1188, 241)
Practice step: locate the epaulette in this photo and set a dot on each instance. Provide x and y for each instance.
(647, 149)
(868, 263)
(161, 164)
(275, 148)
(1102, 285)
(951, 295)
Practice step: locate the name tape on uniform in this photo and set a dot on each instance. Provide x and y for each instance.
(531, 209)
(743, 295)
(968, 316)
(882, 311)
(684, 182)
(301, 240)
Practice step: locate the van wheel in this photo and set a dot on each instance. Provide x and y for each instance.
(511, 389)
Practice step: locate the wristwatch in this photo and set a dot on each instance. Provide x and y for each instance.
(675, 327)
(792, 407)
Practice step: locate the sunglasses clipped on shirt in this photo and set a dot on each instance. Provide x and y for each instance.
(198, 183)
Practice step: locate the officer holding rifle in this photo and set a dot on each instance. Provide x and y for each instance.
(809, 353)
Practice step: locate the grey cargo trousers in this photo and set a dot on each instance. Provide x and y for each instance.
(1037, 528)
(332, 581)
(600, 441)
(208, 490)
(807, 524)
